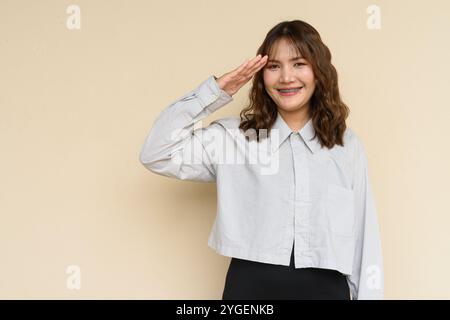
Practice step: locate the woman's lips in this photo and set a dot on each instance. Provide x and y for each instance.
(288, 94)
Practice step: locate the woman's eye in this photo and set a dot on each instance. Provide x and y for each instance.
(274, 65)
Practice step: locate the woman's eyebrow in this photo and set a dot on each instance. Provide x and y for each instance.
(292, 59)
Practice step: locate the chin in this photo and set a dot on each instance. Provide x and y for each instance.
(292, 105)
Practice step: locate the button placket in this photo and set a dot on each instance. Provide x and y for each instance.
(301, 218)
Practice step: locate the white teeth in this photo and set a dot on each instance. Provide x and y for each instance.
(289, 90)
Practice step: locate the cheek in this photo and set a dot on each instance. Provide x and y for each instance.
(308, 75)
(268, 78)
(265, 79)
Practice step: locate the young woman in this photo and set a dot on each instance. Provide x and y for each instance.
(295, 207)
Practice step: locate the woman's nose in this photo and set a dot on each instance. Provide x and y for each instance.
(286, 76)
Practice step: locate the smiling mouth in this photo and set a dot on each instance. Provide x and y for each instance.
(289, 90)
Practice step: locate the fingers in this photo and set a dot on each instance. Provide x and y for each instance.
(246, 70)
(259, 64)
(254, 65)
(250, 63)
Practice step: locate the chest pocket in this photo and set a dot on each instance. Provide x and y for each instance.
(339, 207)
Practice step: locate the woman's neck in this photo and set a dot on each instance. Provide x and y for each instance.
(295, 119)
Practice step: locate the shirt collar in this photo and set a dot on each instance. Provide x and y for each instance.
(307, 134)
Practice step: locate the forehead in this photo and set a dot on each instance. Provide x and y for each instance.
(282, 50)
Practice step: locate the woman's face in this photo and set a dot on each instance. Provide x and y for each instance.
(283, 70)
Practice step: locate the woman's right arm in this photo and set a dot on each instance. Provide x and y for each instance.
(173, 148)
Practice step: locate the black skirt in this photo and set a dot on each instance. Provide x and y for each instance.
(255, 280)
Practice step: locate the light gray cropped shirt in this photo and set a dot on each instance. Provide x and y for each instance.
(284, 189)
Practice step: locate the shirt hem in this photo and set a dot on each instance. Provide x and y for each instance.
(281, 259)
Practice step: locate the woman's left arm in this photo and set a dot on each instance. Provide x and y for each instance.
(367, 279)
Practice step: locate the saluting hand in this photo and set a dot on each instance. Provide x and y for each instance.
(232, 81)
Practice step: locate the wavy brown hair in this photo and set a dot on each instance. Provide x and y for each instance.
(327, 110)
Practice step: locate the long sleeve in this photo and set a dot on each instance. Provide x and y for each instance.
(367, 279)
(173, 147)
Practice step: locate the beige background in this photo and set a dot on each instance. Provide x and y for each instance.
(76, 106)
